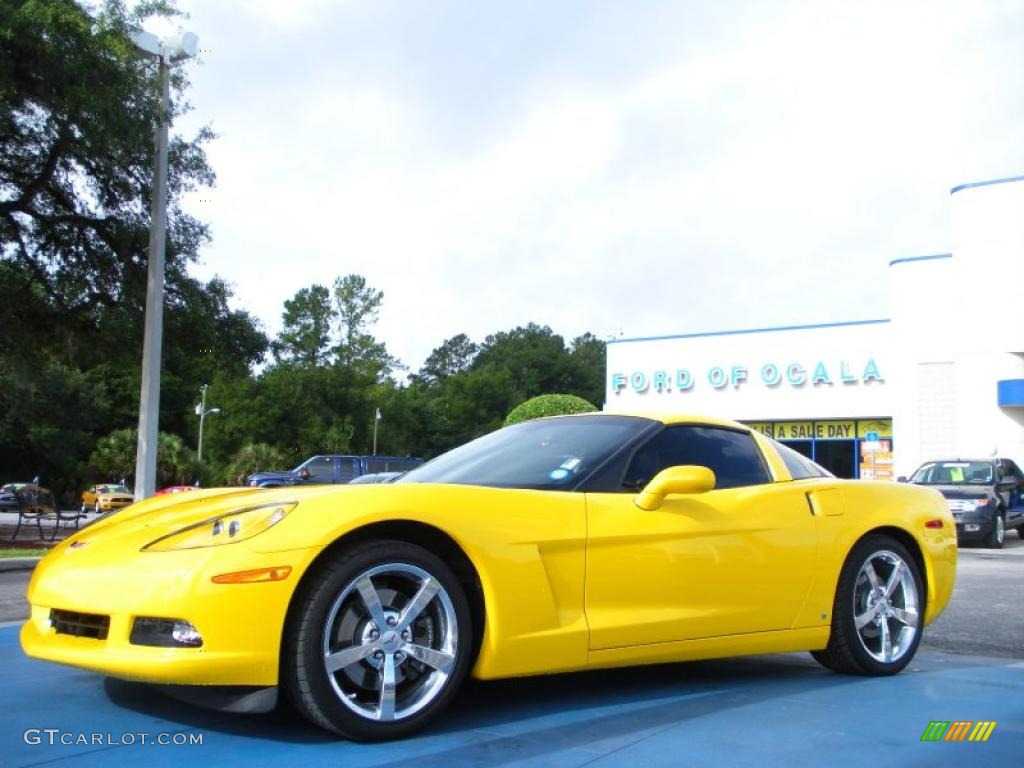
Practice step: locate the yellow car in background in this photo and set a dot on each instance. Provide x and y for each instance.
(104, 498)
(560, 544)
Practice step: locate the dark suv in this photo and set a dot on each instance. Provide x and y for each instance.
(984, 495)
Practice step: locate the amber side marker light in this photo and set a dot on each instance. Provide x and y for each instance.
(279, 573)
(933, 524)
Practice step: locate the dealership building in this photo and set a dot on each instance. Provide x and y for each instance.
(941, 377)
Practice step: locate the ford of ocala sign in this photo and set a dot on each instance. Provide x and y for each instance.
(771, 374)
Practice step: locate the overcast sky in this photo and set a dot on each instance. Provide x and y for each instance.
(625, 168)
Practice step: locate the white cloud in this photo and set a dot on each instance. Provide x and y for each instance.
(766, 175)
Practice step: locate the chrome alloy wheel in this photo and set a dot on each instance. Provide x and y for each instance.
(390, 642)
(886, 606)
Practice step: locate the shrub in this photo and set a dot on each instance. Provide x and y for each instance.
(548, 405)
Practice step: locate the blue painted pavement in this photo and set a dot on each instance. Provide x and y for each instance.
(763, 711)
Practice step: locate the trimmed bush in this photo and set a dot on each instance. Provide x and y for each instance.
(548, 405)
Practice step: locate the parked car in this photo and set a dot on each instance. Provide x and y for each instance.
(984, 495)
(554, 545)
(8, 499)
(177, 489)
(103, 498)
(326, 469)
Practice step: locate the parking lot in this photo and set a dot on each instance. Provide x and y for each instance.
(773, 710)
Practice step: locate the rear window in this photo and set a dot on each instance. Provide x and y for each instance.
(799, 466)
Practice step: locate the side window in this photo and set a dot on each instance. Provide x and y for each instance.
(1013, 471)
(321, 467)
(347, 466)
(733, 456)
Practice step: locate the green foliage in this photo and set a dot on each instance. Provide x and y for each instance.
(253, 457)
(114, 459)
(77, 109)
(548, 405)
(306, 335)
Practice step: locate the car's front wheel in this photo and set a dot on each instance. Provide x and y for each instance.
(998, 535)
(378, 642)
(878, 612)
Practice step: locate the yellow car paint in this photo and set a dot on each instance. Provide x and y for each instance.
(569, 580)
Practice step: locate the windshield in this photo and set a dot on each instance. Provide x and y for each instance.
(954, 473)
(550, 454)
(112, 489)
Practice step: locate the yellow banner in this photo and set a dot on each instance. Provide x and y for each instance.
(766, 428)
(794, 430)
(835, 430)
(882, 426)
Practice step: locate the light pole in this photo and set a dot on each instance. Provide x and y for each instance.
(167, 51)
(201, 411)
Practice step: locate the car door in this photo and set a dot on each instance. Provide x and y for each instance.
(1012, 490)
(321, 469)
(736, 559)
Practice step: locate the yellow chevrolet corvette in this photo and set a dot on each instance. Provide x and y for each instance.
(559, 544)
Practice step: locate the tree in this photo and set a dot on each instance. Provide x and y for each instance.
(454, 356)
(114, 458)
(77, 109)
(588, 355)
(114, 455)
(306, 336)
(253, 457)
(357, 306)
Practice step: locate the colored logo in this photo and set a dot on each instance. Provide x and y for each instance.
(958, 730)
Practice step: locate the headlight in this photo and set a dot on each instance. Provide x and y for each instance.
(225, 529)
(972, 504)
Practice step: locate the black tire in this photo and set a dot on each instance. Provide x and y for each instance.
(97, 509)
(861, 651)
(1020, 532)
(332, 615)
(85, 508)
(997, 537)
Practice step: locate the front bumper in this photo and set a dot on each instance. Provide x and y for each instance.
(973, 526)
(241, 624)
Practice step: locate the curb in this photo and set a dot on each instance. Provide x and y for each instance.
(18, 563)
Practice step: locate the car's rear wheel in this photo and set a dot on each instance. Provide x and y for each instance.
(378, 642)
(878, 610)
(998, 535)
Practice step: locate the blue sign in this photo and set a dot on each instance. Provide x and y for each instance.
(871, 437)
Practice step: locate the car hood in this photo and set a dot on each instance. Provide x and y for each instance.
(961, 492)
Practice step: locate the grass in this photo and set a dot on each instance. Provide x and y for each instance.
(23, 552)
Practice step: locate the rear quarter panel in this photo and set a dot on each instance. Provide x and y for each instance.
(849, 510)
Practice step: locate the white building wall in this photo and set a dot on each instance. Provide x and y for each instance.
(956, 329)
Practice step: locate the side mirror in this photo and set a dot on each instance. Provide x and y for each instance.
(901, 479)
(683, 479)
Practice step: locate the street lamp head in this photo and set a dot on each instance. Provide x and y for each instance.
(214, 410)
(176, 46)
(181, 46)
(146, 42)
